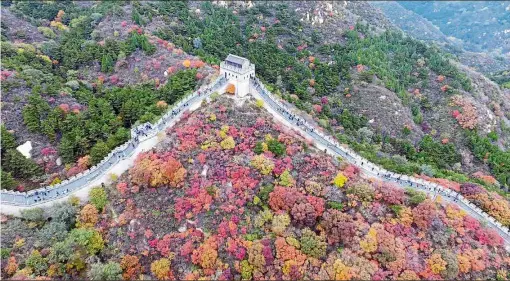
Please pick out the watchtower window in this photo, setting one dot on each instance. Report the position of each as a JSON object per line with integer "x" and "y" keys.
{"x": 231, "y": 63}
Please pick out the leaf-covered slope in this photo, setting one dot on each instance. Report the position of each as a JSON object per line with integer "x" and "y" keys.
{"x": 230, "y": 194}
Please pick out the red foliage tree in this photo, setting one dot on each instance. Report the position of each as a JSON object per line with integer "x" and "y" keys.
{"x": 424, "y": 213}
{"x": 339, "y": 226}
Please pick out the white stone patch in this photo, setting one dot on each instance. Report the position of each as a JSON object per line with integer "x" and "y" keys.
{"x": 371, "y": 121}
{"x": 204, "y": 171}
{"x": 382, "y": 97}
{"x": 489, "y": 113}
{"x": 25, "y": 149}
{"x": 58, "y": 161}
{"x": 397, "y": 113}
{"x": 182, "y": 228}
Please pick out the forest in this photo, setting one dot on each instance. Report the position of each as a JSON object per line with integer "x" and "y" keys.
{"x": 228, "y": 193}
{"x": 236, "y": 196}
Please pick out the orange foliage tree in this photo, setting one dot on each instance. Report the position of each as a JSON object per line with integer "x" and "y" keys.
{"x": 206, "y": 254}
{"x": 11, "y": 267}
{"x": 88, "y": 216}
{"x": 156, "y": 170}
{"x": 130, "y": 267}
{"x": 231, "y": 89}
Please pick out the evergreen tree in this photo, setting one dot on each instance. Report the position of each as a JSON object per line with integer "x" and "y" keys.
{"x": 19, "y": 165}
{"x": 35, "y": 111}
{"x": 8, "y": 140}
{"x": 7, "y": 181}
{"x": 99, "y": 151}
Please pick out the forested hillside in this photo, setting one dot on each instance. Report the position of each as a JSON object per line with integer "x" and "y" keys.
{"x": 229, "y": 193}
{"x": 98, "y": 69}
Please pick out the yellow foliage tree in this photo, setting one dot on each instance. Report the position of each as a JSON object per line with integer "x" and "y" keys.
{"x": 286, "y": 179}
{"x": 280, "y": 223}
{"x": 369, "y": 244}
{"x": 342, "y": 271}
{"x": 88, "y": 216}
{"x": 436, "y": 263}
{"x": 186, "y": 63}
{"x": 263, "y": 164}
{"x": 228, "y": 143}
{"x": 340, "y": 180}
{"x": 161, "y": 268}
{"x": 11, "y": 267}
{"x": 464, "y": 263}
{"x": 405, "y": 216}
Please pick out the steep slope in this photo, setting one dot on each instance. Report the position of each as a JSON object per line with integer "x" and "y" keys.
{"x": 231, "y": 194}
{"x": 480, "y": 25}
{"x": 330, "y": 59}
{"x": 420, "y": 27}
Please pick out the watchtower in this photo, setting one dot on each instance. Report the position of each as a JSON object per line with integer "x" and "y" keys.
{"x": 238, "y": 71}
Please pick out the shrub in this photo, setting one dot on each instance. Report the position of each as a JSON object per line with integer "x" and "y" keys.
{"x": 339, "y": 226}
{"x": 99, "y": 151}
{"x": 88, "y": 238}
{"x": 130, "y": 266}
{"x": 312, "y": 244}
{"x": 340, "y": 180}
{"x": 109, "y": 271}
{"x": 64, "y": 212}
{"x": 415, "y": 197}
{"x": 286, "y": 179}
{"x": 20, "y": 166}
{"x": 260, "y": 147}
{"x": 51, "y": 232}
{"x": 335, "y": 205}
{"x": 47, "y": 32}
{"x": 36, "y": 262}
{"x": 276, "y": 147}
{"x": 424, "y": 213}
{"x": 98, "y": 198}
{"x": 156, "y": 170}
{"x": 264, "y": 192}
{"x": 304, "y": 213}
{"x": 362, "y": 191}
{"x": 262, "y": 163}
{"x": 34, "y": 214}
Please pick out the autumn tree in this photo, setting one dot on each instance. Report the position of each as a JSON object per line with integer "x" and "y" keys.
{"x": 98, "y": 198}
{"x": 157, "y": 170}
{"x": 130, "y": 266}
{"x": 161, "y": 269}
{"x": 88, "y": 216}
{"x": 231, "y": 89}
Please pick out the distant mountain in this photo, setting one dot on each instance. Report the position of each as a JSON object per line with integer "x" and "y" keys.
{"x": 482, "y": 26}
{"x": 490, "y": 57}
